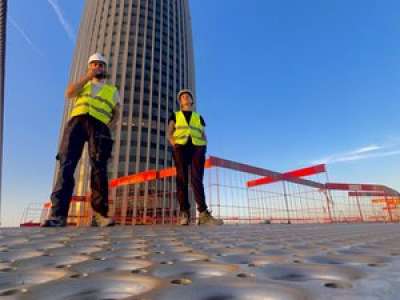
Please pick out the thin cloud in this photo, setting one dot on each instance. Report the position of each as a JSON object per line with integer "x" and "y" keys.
{"x": 368, "y": 149}
{"x": 371, "y": 151}
{"x": 64, "y": 23}
{"x": 25, "y": 36}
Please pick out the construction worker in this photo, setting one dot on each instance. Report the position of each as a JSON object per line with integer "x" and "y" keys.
{"x": 94, "y": 112}
{"x": 187, "y": 136}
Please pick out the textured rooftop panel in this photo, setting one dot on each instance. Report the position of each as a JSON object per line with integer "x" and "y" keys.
{"x": 202, "y": 263}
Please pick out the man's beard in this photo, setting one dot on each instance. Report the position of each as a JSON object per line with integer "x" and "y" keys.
{"x": 101, "y": 75}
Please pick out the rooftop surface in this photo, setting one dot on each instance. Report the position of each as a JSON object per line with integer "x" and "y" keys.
{"x": 255, "y": 262}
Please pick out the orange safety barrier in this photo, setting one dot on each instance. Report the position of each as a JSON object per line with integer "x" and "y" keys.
{"x": 240, "y": 193}
{"x": 149, "y": 176}
{"x": 288, "y": 175}
{"x": 80, "y": 212}
{"x": 356, "y": 199}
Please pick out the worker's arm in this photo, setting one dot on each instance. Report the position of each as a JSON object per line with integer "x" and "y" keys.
{"x": 116, "y": 110}
{"x": 204, "y": 136}
{"x": 204, "y": 130}
{"x": 75, "y": 88}
{"x": 115, "y": 116}
{"x": 171, "y": 130}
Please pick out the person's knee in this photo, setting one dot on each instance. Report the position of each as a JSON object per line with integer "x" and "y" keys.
{"x": 181, "y": 180}
{"x": 197, "y": 175}
{"x": 98, "y": 165}
{"x": 67, "y": 168}
{"x": 101, "y": 152}
{"x": 68, "y": 158}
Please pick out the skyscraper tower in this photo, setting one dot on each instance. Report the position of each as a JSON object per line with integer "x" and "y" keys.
{"x": 3, "y": 22}
{"x": 148, "y": 44}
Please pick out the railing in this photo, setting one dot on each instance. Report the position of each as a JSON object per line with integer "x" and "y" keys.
{"x": 80, "y": 212}
{"x": 241, "y": 193}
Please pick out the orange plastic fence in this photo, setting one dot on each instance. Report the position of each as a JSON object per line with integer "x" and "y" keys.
{"x": 239, "y": 192}
{"x": 288, "y": 175}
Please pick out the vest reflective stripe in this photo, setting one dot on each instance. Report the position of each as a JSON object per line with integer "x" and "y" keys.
{"x": 191, "y": 127}
{"x": 194, "y": 129}
{"x": 99, "y": 106}
{"x": 108, "y": 114}
{"x": 102, "y": 100}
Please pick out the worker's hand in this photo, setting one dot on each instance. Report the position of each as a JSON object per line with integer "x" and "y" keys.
{"x": 92, "y": 72}
{"x": 113, "y": 124}
{"x": 172, "y": 142}
{"x": 115, "y": 117}
{"x": 76, "y": 87}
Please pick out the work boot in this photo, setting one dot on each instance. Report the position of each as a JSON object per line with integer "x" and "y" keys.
{"x": 55, "y": 222}
{"x": 184, "y": 219}
{"x": 205, "y": 218}
{"x": 99, "y": 221}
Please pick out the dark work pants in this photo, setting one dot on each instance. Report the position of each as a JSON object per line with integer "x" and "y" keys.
{"x": 81, "y": 129}
{"x": 186, "y": 156}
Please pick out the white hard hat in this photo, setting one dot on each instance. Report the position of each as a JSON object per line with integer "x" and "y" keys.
{"x": 183, "y": 91}
{"x": 97, "y": 57}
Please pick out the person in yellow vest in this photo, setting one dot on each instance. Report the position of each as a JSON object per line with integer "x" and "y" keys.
{"x": 187, "y": 136}
{"x": 95, "y": 110}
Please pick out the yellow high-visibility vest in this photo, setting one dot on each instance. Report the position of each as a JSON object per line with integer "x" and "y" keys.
{"x": 99, "y": 106}
{"x": 194, "y": 129}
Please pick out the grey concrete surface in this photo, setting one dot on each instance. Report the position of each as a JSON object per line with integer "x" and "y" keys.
{"x": 230, "y": 262}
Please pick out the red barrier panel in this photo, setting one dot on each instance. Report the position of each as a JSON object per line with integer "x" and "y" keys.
{"x": 367, "y": 194}
{"x": 361, "y": 187}
{"x": 288, "y": 175}
{"x": 353, "y": 187}
{"x": 149, "y": 175}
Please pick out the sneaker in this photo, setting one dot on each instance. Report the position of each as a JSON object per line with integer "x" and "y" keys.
{"x": 184, "y": 218}
{"x": 55, "y": 222}
{"x": 100, "y": 221}
{"x": 205, "y": 218}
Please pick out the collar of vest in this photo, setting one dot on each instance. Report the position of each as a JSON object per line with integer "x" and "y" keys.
{"x": 183, "y": 112}
{"x": 104, "y": 85}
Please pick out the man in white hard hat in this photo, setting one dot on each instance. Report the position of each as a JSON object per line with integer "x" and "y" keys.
{"x": 187, "y": 136}
{"x": 95, "y": 110}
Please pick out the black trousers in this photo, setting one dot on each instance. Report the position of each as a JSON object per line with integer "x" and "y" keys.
{"x": 81, "y": 129}
{"x": 186, "y": 156}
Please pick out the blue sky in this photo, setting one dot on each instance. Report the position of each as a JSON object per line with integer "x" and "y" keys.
{"x": 281, "y": 84}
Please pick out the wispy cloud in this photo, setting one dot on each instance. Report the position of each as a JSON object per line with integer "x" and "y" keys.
{"x": 24, "y": 35}
{"x": 64, "y": 23}
{"x": 367, "y": 149}
{"x": 366, "y": 152}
